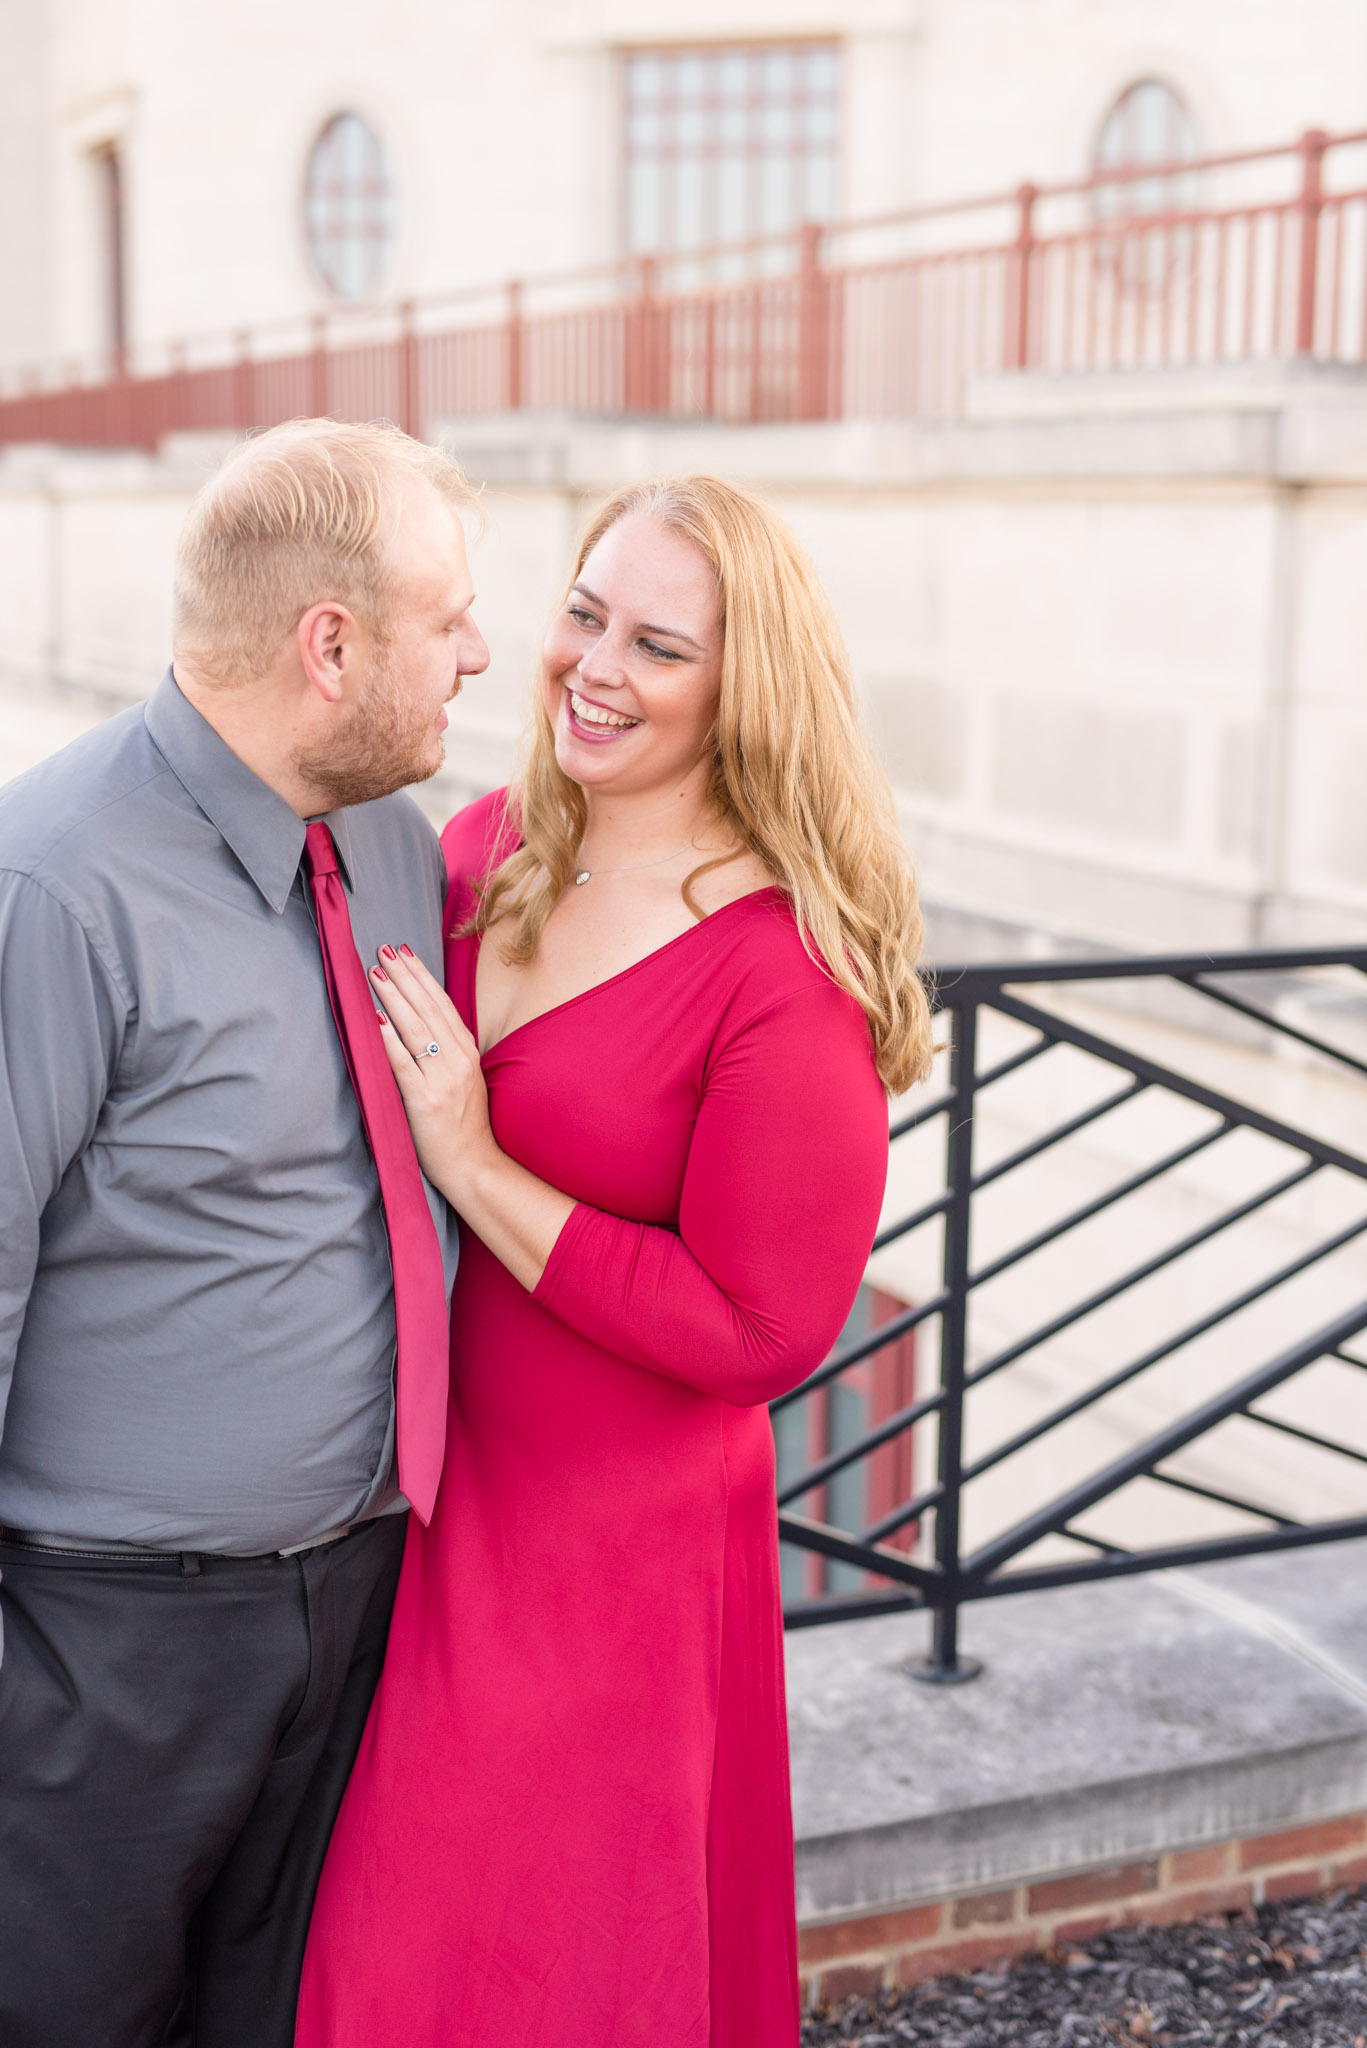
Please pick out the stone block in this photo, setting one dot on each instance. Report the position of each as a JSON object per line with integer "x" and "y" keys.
{"x": 1322, "y": 1838}
{"x": 873, "y": 1931}
{"x": 1293, "y": 1884}
{"x": 1197, "y": 1866}
{"x": 1088, "y": 1887}
{"x": 986, "y": 1907}
{"x": 951, "y": 1957}
{"x": 847, "y": 1980}
{"x": 1072, "y": 1933}
{"x": 1172, "y": 1909}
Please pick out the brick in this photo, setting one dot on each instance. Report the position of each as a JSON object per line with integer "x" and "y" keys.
{"x": 986, "y": 1907}
{"x": 1295, "y": 1845}
{"x": 1294, "y": 1884}
{"x": 871, "y": 1932}
{"x": 1354, "y": 1871}
{"x": 848, "y": 1980}
{"x": 1172, "y": 1908}
{"x": 949, "y": 1958}
{"x": 1072, "y": 1933}
{"x": 1090, "y": 1887}
{"x": 1198, "y": 1866}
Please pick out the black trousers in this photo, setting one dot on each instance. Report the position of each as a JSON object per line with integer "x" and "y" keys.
{"x": 175, "y": 1738}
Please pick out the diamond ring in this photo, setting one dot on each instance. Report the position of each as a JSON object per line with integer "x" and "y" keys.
{"x": 429, "y": 1051}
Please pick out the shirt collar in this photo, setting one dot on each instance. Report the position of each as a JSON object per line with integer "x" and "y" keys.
{"x": 260, "y": 827}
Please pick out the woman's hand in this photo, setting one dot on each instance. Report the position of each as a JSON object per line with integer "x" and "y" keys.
{"x": 518, "y": 1216}
{"x": 443, "y": 1091}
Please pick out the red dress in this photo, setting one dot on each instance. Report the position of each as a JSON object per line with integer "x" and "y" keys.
{"x": 569, "y": 1823}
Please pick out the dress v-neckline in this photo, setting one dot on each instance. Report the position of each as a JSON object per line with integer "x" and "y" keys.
{"x": 598, "y": 987}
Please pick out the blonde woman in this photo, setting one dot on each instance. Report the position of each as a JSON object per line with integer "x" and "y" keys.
{"x": 680, "y": 977}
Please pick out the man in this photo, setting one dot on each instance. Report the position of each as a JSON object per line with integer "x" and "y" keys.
{"x": 203, "y": 1186}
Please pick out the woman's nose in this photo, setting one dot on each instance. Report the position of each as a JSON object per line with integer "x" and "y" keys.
{"x": 601, "y": 665}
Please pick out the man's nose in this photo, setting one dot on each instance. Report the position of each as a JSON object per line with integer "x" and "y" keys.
{"x": 474, "y": 655}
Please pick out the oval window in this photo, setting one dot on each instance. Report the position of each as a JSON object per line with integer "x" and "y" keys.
{"x": 1149, "y": 124}
{"x": 349, "y": 207}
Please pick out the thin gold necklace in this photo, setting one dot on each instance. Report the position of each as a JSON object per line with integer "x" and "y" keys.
{"x": 587, "y": 874}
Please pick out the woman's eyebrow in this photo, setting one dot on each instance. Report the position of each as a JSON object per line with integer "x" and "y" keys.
{"x": 665, "y": 632}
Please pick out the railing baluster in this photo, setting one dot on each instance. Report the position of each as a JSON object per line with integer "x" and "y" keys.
{"x": 945, "y": 1666}
{"x": 1017, "y": 350}
{"x": 1313, "y": 145}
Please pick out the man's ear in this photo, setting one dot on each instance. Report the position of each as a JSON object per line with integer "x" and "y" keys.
{"x": 326, "y": 637}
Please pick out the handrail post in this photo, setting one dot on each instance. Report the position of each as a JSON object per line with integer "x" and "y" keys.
{"x": 512, "y": 347}
{"x": 945, "y": 1666}
{"x": 121, "y": 417}
{"x": 408, "y": 370}
{"x": 1310, "y": 205}
{"x": 1020, "y": 279}
{"x": 813, "y": 364}
{"x": 318, "y": 368}
{"x": 243, "y": 408}
{"x": 641, "y": 381}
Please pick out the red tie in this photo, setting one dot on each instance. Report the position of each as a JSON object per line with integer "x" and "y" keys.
{"x": 420, "y": 1312}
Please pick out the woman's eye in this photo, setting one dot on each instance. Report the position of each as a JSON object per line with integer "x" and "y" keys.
{"x": 582, "y": 618}
{"x": 662, "y": 653}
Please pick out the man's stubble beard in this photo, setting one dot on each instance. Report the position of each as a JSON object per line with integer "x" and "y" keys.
{"x": 383, "y": 745}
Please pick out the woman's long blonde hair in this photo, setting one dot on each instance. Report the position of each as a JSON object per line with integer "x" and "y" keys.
{"x": 793, "y": 774}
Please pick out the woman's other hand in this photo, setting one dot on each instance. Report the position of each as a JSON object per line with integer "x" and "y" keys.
{"x": 518, "y": 1216}
{"x": 436, "y": 1064}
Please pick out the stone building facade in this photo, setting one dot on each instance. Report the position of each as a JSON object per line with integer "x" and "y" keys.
{"x": 168, "y": 170}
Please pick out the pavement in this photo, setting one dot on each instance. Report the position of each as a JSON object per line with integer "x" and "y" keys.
{"x": 1111, "y": 1721}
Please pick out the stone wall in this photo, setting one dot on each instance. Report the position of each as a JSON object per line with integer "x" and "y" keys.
{"x": 1110, "y": 633}
{"x": 973, "y": 1930}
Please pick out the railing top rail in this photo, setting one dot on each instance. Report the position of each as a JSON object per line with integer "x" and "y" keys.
{"x": 972, "y": 983}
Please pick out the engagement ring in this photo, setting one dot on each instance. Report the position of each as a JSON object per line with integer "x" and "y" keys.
{"x": 429, "y": 1051}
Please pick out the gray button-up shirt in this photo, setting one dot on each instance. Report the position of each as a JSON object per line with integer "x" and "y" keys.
{"x": 196, "y": 1309}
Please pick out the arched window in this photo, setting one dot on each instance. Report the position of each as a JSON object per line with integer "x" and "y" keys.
{"x": 349, "y": 207}
{"x": 1149, "y": 124}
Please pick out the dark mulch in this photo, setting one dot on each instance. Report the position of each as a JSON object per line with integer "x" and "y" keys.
{"x": 1293, "y": 1977}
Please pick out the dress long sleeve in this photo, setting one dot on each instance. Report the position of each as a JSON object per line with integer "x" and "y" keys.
{"x": 779, "y": 1207}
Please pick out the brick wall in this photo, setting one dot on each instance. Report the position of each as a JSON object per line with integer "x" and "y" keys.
{"x": 969, "y": 1931}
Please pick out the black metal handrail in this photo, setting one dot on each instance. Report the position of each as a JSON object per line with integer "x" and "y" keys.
{"x": 943, "y": 1575}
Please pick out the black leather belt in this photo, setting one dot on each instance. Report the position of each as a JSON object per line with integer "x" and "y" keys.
{"x": 133, "y": 1553}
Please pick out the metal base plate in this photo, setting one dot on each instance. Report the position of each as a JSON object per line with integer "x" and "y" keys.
{"x": 927, "y": 1673}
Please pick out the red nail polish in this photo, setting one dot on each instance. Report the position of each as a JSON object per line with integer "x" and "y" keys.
{"x": 383, "y": 1019}
{"x": 408, "y": 950}
{"x": 387, "y": 953}
{"x": 379, "y": 974}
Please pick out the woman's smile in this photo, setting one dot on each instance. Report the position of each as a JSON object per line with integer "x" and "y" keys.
{"x": 594, "y": 721}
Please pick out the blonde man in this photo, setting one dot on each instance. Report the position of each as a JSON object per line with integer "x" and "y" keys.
{"x": 202, "y": 1472}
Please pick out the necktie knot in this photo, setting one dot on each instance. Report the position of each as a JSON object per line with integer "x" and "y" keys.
{"x": 319, "y": 852}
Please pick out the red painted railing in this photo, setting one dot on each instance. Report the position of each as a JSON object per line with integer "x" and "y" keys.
{"x": 1255, "y": 256}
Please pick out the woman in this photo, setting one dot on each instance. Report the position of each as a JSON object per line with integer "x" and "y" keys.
{"x": 680, "y": 965}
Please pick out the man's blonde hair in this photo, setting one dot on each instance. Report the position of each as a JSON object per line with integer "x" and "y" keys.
{"x": 303, "y": 513}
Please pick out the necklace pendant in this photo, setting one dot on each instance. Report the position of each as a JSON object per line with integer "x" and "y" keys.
{"x": 584, "y": 875}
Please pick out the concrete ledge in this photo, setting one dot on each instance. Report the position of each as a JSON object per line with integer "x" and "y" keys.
{"x": 1113, "y": 1724}
{"x": 1268, "y": 424}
